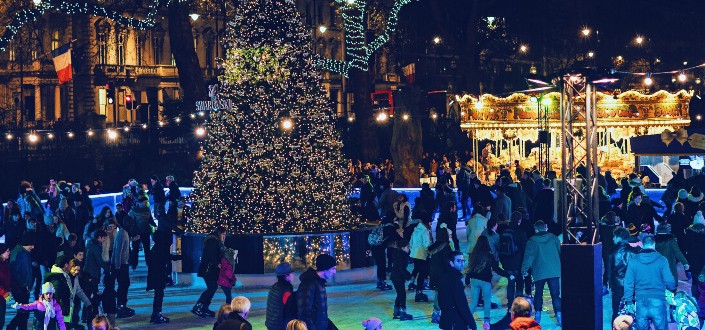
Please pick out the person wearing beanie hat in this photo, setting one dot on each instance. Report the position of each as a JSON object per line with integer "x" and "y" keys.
{"x": 59, "y": 278}
{"x": 695, "y": 249}
{"x": 372, "y": 324}
{"x": 694, "y": 199}
{"x": 667, "y": 246}
{"x": 48, "y": 310}
{"x": 312, "y": 299}
{"x": 635, "y": 211}
{"x": 279, "y": 294}
{"x": 21, "y": 273}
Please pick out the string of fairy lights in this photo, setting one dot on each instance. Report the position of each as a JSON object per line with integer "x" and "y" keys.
{"x": 357, "y": 50}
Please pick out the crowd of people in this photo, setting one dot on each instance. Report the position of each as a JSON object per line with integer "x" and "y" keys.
{"x": 56, "y": 254}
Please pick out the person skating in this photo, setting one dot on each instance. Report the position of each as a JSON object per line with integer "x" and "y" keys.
{"x": 455, "y": 312}
{"x": 48, "y": 311}
{"x": 226, "y": 276}
{"x": 400, "y": 261}
{"x": 209, "y": 269}
{"x": 440, "y": 252}
{"x": 59, "y": 278}
{"x": 512, "y": 243}
{"x": 667, "y": 246}
{"x": 120, "y": 263}
{"x": 21, "y": 275}
{"x": 542, "y": 255}
{"x": 616, "y": 267}
{"x": 157, "y": 274}
{"x": 312, "y": 299}
{"x": 279, "y": 294}
{"x": 92, "y": 272}
{"x": 5, "y": 282}
{"x": 421, "y": 239}
{"x": 645, "y": 282}
{"x": 480, "y": 267}
{"x": 77, "y": 295}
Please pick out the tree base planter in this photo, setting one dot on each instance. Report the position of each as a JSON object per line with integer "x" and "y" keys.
{"x": 261, "y": 253}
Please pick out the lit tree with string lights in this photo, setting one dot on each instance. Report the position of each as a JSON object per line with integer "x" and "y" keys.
{"x": 271, "y": 161}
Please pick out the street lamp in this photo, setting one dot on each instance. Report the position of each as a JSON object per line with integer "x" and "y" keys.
{"x": 523, "y": 48}
{"x": 648, "y": 81}
{"x": 591, "y": 54}
{"x": 322, "y": 28}
{"x": 682, "y": 77}
{"x": 437, "y": 40}
{"x": 287, "y": 124}
{"x": 194, "y": 16}
{"x": 639, "y": 40}
{"x": 586, "y": 32}
{"x": 200, "y": 131}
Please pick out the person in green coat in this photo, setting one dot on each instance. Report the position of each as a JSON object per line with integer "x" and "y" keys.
{"x": 543, "y": 256}
{"x": 667, "y": 246}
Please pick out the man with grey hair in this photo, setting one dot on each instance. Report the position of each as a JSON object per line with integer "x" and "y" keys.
{"x": 237, "y": 318}
{"x": 647, "y": 288}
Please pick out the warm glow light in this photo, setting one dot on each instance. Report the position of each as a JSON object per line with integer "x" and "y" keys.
{"x": 585, "y": 32}
{"x": 70, "y": 134}
{"x": 405, "y": 117}
{"x": 591, "y": 54}
{"x": 194, "y": 16}
{"x": 177, "y": 120}
{"x": 619, "y": 58}
{"x": 112, "y": 134}
{"x": 437, "y": 40}
{"x": 546, "y": 101}
{"x": 201, "y": 113}
{"x": 33, "y": 138}
{"x": 161, "y": 123}
{"x": 382, "y": 116}
{"x": 144, "y": 126}
{"x": 479, "y": 105}
{"x": 90, "y": 133}
{"x": 322, "y": 28}
{"x": 639, "y": 40}
{"x": 287, "y": 124}
{"x": 698, "y": 117}
{"x": 648, "y": 81}
{"x": 9, "y": 136}
{"x": 126, "y": 128}
{"x": 37, "y": 2}
{"x": 351, "y": 119}
{"x": 50, "y": 135}
{"x": 200, "y": 131}
{"x": 193, "y": 116}
{"x": 533, "y": 99}
{"x": 523, "y": 48}
{"x": 682, "y": 77}
{"x": 434, "y": 116}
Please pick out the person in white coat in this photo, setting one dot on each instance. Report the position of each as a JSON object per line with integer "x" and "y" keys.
{"x": 421, "y": 239}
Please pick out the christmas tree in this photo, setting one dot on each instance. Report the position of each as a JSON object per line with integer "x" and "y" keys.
{"x": 271, "y": 161}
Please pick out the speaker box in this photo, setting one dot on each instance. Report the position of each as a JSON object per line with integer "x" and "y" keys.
{"x": 544, "y": 136}
{"x": 581, "y": 286}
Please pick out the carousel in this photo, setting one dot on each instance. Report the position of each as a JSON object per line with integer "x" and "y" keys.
{"x": 526, "y": 128}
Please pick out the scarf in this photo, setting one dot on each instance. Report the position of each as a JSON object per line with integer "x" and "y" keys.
{"x": 49, "y": 312}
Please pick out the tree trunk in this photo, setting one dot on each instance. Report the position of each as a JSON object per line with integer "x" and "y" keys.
{"x": 407, "y": 138}
{"x": 366, "y": 128}
{"x": 181, "y": 37}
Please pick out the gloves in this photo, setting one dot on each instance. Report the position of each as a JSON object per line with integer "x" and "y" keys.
{"x": 511, "y": 277}
{"x": 686, "y": 267}
{"x": 16, "y": 305}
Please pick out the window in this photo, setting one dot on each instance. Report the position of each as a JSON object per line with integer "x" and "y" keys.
{"x": 121, "y": 36}
{"x": 11, "y": 51}
{"x": 102, "y": 47}
{"x": 157, "y": 43}
{"x": 55, "y": 40}
{"x": 139, "y": 47}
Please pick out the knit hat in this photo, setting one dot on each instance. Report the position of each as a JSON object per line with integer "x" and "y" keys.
{"x": 48, "y": 219}
{"x": 699, "y": 219}
{"x": 47, "y": 288}
{"x": 682, "y": 194}
{"x": 283, "y": 269}
{"x": 371, "y": 323}
{"x": 633, "y": 230}
{"x": 325, "y": 262}
{"x": 29, "y": 239}
{"x": 635, "y": 182}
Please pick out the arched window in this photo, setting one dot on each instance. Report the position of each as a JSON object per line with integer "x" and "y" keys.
{"x": 158, "y": 45}
{"x": 140, "y": 40}
{"x": 209, "y": 43}
{"x": 121, "y": 39}
{"x": 102, "y": 31}
{"x": 55, "y": 42}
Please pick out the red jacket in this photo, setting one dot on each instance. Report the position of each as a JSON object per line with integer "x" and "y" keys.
{"x": 524, "y": 323}
{"x": 4, "y": 278}
{"x": 226, "y": 277}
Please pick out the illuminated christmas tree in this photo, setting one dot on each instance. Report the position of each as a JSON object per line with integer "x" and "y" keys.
{"x": 271, "y": 161}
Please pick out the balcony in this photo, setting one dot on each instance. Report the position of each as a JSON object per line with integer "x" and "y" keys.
{"x": 136, "y": 71}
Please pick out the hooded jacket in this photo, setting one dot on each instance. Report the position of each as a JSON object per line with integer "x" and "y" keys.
{"x": 121, "y": 249}
{"x": 524, "y": 323}
{"x": 210, "y": 259}
{"x": 648, "y": 276}
{"x": 420, "y": 241}
{"x": 439, "y": 252}
{"x": 543, "y": 256}
{"x": 60, "y": 280}
{"x": 667, "y": 246}
{"x": 20, "y": 268}
{"x": 143, "y": 218}
{"x": 475, "y": 226}
{"x": 312, "y": 300}
{"x": 695, "y": 246}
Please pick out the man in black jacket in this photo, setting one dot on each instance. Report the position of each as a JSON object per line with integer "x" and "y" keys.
{"x": 512, "y": 242}
{"x": 59, "y": 279}
{"x": 21, "y": 274}
{"x": 158, "y": 196}
{"x": 278, "y": 296}
{"x": 616, "y": 266}
{"x": 312, "y": 299}
{"x": 209, "y": 269}
{"x": 455, "y": 312}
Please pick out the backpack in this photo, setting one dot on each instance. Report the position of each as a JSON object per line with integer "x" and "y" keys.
{"x": 291, "y": 309}
{"x": 507, "y": 244}
{"x": 376, "y": 236}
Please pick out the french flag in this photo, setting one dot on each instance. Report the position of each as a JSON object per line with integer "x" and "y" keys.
{"x": 62, "y": 62}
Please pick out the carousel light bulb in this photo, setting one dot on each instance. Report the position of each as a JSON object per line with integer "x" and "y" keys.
{"x": 479, "y": 105}
{"x": 533, "y": 99}
{"x": 648, "y": 81}
{"x": 193, "y": 116}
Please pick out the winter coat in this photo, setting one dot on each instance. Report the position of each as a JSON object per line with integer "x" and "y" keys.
{"x": 42, "y": 310}
{"x": 210, "y": 259}
{"x": 60, "y": 280}
{"x": 439, "y": 252}
{"x": 485, "y": 274}
{"x": 386, "y": 202}
{"x": 481, "y": 195}
{"x": 524, "y": 323}
{"x": 635, "y": 214}
{"x": 402, "y": 213}
{"x": 691, "y": 204}
{"x": 513, "y": 262}
{"x": 519, "y": 198}
{"x": 121, "y": 249}
{"x": 400, "y": 261}
{"x": 695, "y": 246}
{"x": 157, "y": 193}
{"x": 543, "y": 206}
{"x": 13, "y": 231}
{"x": 93, "y": 261}
{"x": 420, "y": 241}
{"x": 143, "y": 219}
{"x": 606, "y": 234}
{"x": 30, "y": 203}
{"x": 493, "y": 238}
{"x": 648, "y": 276}
{"x": 21, "y": 268}
{"x": 502, "y": 208}
{"x": 226, "y": 276}
{"x": 5, "y": 279}
{"x": 160, "y": 259}
{"x": 367, "y": 202}
{"x": 428, "y": 199}
{"x": 278, "y": 295}
{"x": 543, "y": 256}
{"x": 312, "y": 300}
{"x": 475, "y": 226}
{"x": 235, "y": 322}
{"x": 616, "y": 268}
{"x": 455, "y": 312}
{"x": 667, "y": 246}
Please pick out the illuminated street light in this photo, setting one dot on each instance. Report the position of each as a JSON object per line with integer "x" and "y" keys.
{"x": 90, "y": 133}
{"x": 437, "y": 40}
{"x": 50, "y": 135}
{"x": 382, "y": 116}
{"x": 33, "y": 138}
{"x": 194, "y": 16}
{"x": 682, "y": 77}
{"x": 200, "y": 131}
{"x": 322, "y": 28}
{"x": 639, "y": 40}
{"x": 591, "y": 54}
{"x": 523, "y": 48}
{"x": 70, "y": 135}
{"x": 405, "y": 117}
{"x": 585, "y": 31}
{"x": 648, "y": 81}
{"x": 112, "y": 134}
{"x": 8, "y": 136}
